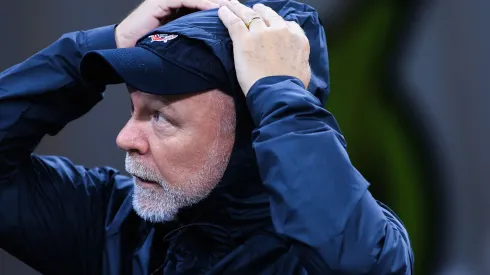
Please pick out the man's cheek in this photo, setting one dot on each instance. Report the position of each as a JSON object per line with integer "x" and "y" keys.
{"x": 173, "y": 165}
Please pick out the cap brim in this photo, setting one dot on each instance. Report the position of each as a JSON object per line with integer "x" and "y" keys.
{"x": 141, "y": 69}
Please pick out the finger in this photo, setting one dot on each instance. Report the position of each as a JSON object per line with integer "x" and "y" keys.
{"x": 246, "y": 14}
{"x": 206, "y": 5}
{"x": 193, "y": 4}
{"x": 270, "y": 17}
{"x": 233, "y": 23}
{"x": 220, "y": 2}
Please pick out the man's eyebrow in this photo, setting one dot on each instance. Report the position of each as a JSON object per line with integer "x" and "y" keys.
{"x": 165, "y": 102}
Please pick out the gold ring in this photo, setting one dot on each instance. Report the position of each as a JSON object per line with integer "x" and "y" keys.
{"x": 251, "y": 20}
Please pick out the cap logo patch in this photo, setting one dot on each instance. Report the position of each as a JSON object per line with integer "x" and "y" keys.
{"x": 162, "y": 37}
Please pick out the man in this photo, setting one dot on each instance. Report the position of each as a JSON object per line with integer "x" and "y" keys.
{"x": 222, "y": 183}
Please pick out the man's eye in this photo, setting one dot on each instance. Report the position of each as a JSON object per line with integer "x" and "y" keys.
{"x": 159, "y": 117}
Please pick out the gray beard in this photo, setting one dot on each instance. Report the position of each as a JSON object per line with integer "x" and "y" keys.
{"x": 163, "y": 204}
{"x": 160, "y": 205}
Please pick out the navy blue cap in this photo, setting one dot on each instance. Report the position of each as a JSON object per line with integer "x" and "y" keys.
{"x": 163, "y": 64}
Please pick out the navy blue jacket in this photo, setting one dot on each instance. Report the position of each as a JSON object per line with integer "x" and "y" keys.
{"x": 290, "y": 201}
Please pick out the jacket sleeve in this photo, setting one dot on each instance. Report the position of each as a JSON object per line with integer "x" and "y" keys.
{"x": 51, "y": 211}
{"x": 317, "y": 198}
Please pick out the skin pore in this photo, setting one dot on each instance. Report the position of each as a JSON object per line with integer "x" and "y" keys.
{"x": 177, "y": 149}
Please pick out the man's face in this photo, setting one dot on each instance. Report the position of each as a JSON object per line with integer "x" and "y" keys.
{"x": 178, "y": 148}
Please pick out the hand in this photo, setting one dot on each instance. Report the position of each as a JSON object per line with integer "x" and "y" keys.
{"x": 153, "y": 13}
{"x": 270, "y": 46}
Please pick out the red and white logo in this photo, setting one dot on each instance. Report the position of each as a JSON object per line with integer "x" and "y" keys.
{"x": 162, "y": 37}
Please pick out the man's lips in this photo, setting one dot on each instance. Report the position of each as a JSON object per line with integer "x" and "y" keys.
{"x": 143, "y": 181}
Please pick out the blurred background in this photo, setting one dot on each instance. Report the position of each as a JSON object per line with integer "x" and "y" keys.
{"x": 410, "y": 85}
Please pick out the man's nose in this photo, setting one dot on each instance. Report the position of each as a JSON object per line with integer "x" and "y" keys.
{"x": 132, "y": 138}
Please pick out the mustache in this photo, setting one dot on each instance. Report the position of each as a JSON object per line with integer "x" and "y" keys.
{"x": 137, "y": 169}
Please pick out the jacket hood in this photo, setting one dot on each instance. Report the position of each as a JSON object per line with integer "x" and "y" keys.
{"x": 239, "y": 203}
{"x": 207, "y": 27}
